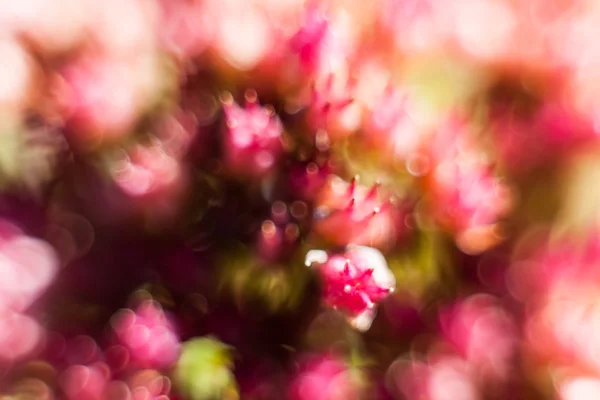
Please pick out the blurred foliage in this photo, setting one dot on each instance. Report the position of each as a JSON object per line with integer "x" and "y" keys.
{"x": 203, "y": 371}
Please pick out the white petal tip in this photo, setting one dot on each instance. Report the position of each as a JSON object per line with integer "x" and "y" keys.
{"x": 315, "y": 256}
{"x": 363, "y": 321}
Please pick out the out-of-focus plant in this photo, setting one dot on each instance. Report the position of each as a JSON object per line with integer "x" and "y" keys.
{"x": 204, "y": 370}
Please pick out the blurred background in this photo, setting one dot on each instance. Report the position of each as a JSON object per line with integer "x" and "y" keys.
{"x": 304, "y": 200}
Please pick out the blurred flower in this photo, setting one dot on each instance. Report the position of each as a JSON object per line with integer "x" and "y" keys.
{"x": 467, "y": 197}
{"x": 562, "y": 329}
{"x": 27, "y": 267}
{"x": 444, "y": 378}
{"x": 331, "y": 106}
{"x": 123, "y": 29}
{"x": 90, "y": 102}
{"x": 253, "y": 136}
{"x": 148, "y": 335}
{"x": 389, "y": 127}
{"x": 561, "y": 289}
{"x": 326, "y": 377}
{"x": 492, "y": 42}
{"x": 413, "y": 24}
{"x": 149, "y": 385}
{"x": 19, "y": 335}
{"x": 307, "y": 179}
{"x": 540, "y": 137}
{"x": 244, "y": 34}
{"x": 203, "y": 371}
{"x": 483, "y": 333}
{"x": 354, "y": 282}
{"x": 85, "y": 382}
{"x": 180, "y": 30}
{"x": 148, "y": 170}
{"x": 94, "y": 110}
{"x": 319, "y": 50}
{"x": 350, "y": 213}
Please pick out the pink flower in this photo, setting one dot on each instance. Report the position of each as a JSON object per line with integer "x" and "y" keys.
{"x": 331, "y": 107}
{"x": 325, "y": 377}
{"x": 445, "y": 378}
{"x": 19, "y": 335}
{"x": 148, "y": 170}
{"x": 551, "y": 265}
{"x": 467, "y": 197}
{"x": 354, "y": 282}
{"x": 245, "y": 34}
{"x": 99, "y": 98}
{"x": 413, "y": 24}
{"x": 148, "y": 335}
{"x": 252, "y": 137}
{"x": 389, "y": 127}
{"x": 350, "y": 213}
{"x": 551, "y": 131}
{"x": 27, "y": 267}
{"x": 315, "y": 43}
{"x": 562, "y": 329}
{"x": 483, "y": 333}
{"x": 85, "y": 382}
{"x": 185, "y": 27}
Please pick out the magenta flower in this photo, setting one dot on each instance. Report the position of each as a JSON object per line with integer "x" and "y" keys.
{"x": 552, "y": 131}
{"x": 252, "y": 138}
{"x": 350, "y": 213}
{"x": 325, "y": 377}
{"x": 330, "y": 107}
{"x": 354, "y": 282}
{"x": 148, "y": 335}
{"x": 318, "y": 49}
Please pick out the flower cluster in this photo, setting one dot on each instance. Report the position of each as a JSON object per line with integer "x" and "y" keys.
{"x": 303, "y": 199}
